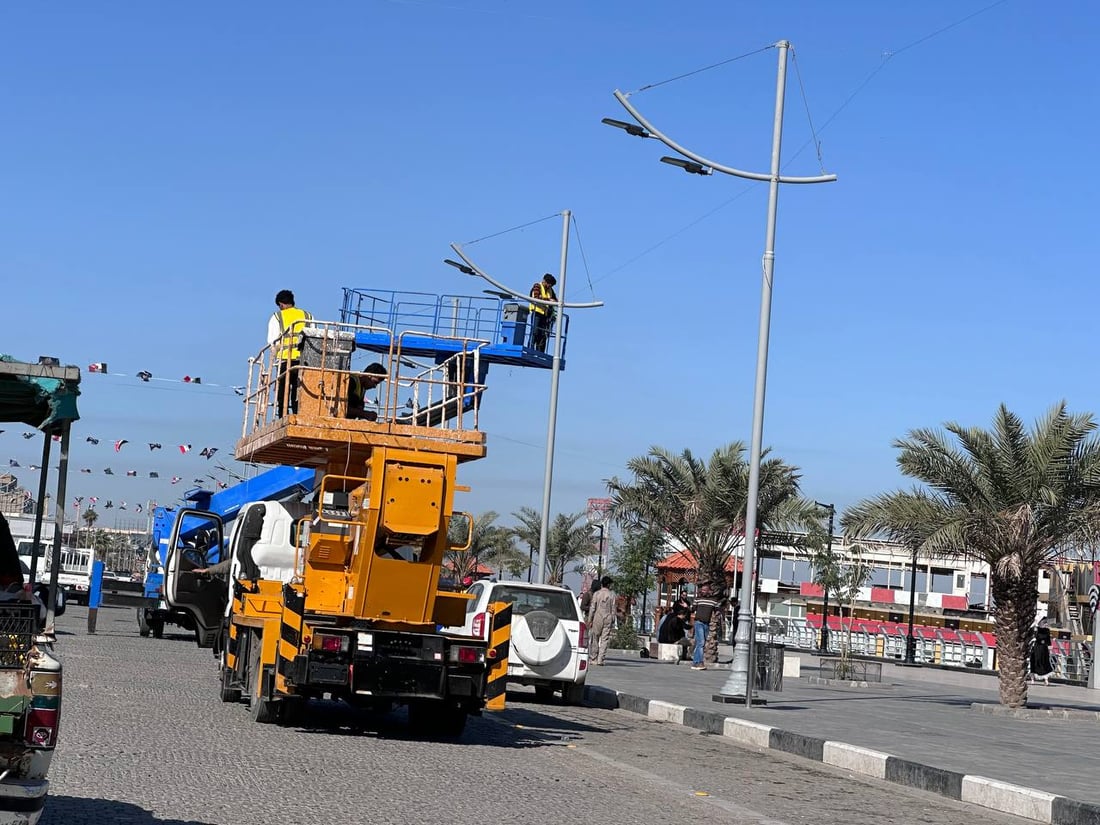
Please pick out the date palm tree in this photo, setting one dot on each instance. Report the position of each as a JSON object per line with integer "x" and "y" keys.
{"x": 567, "y": 539}
{"x": 491, "y": 545}
{"x": 1012, "y": 498}
{"x": 701, "y": 505}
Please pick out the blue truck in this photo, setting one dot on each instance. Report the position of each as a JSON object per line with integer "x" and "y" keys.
{"x": 282, "y": 484}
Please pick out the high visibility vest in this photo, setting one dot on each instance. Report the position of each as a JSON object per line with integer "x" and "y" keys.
{"x": 292, "y": 320}
{"x": 546, "y": 294}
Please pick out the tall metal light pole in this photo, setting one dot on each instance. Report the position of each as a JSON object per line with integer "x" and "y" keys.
{"x": 738, "y": 687}
{"x": 910, "y": 639}
{"x": 599, "y": 559}
{"x": 470, "y": 268}
{"x": 825, "y": 597}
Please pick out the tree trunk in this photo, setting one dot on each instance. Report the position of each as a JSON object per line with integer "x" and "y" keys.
{"x": 710, "y": 648}
{"x": 1013, "y": 614}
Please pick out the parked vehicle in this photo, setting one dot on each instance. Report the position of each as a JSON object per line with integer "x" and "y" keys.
{"x": 549, "y": 639}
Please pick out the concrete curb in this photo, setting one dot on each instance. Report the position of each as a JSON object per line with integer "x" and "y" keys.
{"x": 978, "y": 790}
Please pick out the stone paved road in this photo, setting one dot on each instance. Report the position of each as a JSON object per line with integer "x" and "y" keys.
{"x": 145, "y": 741}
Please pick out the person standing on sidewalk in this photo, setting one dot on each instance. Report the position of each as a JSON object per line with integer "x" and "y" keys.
{"x": 705, "y": 606}
{"x": 601, "y": 616}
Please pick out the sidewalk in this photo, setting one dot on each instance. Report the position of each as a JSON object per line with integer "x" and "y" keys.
{"x": 917, "y": 728}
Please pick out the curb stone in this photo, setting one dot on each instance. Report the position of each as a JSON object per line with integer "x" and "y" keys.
{"x": 1005, "y": 797}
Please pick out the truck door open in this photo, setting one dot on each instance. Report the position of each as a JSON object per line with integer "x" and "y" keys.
{"x": 197, "y": 541}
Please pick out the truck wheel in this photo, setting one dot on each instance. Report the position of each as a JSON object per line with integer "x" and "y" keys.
{"x": 434, "y": 719}
{"x": 292, "y": 710}
{"x": 143, "y": 625}
{"x": 228, "y": 693}
{"x": 264, "y": 711}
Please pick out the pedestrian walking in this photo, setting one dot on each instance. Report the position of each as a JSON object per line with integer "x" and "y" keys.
{"x": 586, "y": 598}
{"x": 601, "y": 618}
{"x": 284, "y": 329}
{"x": 1039, "y": 660}
{"x": 542, "y": 316}
{"x": 705, "y": 606}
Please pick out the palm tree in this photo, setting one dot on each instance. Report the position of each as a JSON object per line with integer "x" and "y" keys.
{"x": 1011, "y": 498}
{"x": 701, "y": 505}
{"x": 490, "y": 544}
{"x": 567, "y": 540}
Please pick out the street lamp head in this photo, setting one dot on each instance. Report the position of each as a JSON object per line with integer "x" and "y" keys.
{"x": 823, "y": 506}
{"x": 689, "y": 166}
{"x": 465, "y": 270}
{"x": 630, "y": 128}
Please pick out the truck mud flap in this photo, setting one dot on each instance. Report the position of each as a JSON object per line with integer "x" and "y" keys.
{"x": 500, "y": 639}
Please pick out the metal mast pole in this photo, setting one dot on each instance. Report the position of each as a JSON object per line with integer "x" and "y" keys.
{"x": 739, "y": 685}
{"x": 551, "y": 426}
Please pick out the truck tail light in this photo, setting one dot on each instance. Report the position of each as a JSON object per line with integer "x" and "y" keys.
{"x": 582, "y": 637}
{"x": 467, "y": 655}
{"x": 332, "y": 642}
{"x": 478, "y": 627}
{"x": 41, "y": 730}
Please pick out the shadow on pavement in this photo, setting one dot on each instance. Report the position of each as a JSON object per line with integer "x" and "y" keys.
{"x": 74, "y": 810}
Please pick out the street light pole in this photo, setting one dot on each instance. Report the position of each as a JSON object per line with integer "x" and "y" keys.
{"x": 470, "y": 268}
{"x": 910, "y": 640}
{"x": 738, "y": 687}
{"x": 599, "y": 559}
{"x": 825, "y": 596}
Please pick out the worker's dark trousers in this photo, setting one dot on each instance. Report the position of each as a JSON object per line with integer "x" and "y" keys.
{"x": 287, "y": 389}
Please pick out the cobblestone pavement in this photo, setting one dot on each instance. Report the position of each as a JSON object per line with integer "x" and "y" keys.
{"x": 145, "y": 741}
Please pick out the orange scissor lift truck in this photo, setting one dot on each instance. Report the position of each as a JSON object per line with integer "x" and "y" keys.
{"x": 344, "y": 596}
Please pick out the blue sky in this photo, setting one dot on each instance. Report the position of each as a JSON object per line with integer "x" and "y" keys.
{"x": 168, "y": 168}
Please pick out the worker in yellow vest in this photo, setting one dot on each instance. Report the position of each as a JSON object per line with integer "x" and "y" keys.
{"x": 284, "y": 331}
{"x": 542, "y": 316}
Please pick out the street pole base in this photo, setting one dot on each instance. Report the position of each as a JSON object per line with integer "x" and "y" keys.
{"x": 727, "y": 699}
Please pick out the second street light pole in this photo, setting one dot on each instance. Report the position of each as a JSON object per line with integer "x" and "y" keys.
{"x": 552, "y": 421}
{"x": 738, "y": 688}
{"x": 825, "y": 594}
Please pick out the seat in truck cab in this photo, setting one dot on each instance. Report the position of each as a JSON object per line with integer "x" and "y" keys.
{"x": 265, "y": 542}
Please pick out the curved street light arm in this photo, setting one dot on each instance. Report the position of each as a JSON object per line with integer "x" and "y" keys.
{"x": 478, "y": 271}
{"x": 687, "y": 153}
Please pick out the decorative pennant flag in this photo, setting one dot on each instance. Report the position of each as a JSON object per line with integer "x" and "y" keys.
{"x": 108, "y": 472}
{"x": 208, "y": 452}
{"x": 91, "y": 440}
{"x": 196, "y": 481}
{"x": 222, "y": 485}
{"x": 56, "y": 437}
{"x": 185, "y": 448}
{"x": 94, "y": 499}
{"x": 13, "y": 463}
{"x": 132, "y": 473}
{"x": 36, "y": 467}
{"x": 85, "y": 469}
{"x": 78, "y": 500}
{"x": 119, "y": 443}
{"x": 154, "y": 474}
{"x": 176, "y": 479}
{"x": 187, "y": 379}
{"x": 137, "y": 508}
{"x": 153, "y": 446}
{"x": 237, "y": 390}
{"x": 122, "y": 505}
{"x": 109, "y": 505}
{"x": 28, "y": 435}
{"x": 100, "y": 366}
{"x": 145, "y": 375}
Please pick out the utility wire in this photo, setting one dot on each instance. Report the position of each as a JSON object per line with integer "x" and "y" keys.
{"x": 513, "y": 229}
{"x": 886, "y": 57}
{"x": 704, "y": 69}
{"x": 584, "y": 258}
{"x": 806, "y": 103}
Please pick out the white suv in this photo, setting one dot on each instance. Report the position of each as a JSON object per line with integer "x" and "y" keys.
{"x": 549, "y": 647}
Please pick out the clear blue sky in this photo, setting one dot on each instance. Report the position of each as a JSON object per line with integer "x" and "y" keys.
{"x": 167, "y": 168}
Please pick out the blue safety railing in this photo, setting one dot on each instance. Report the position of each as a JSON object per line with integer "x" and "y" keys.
{"x": 443, "y": 321}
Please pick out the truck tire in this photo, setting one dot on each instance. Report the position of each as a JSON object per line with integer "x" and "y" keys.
{"x": 434, "y": 719}
{"x": 143, "y": 625}
{"x": 263, "y": 710}
{"x": 228, "y": 693}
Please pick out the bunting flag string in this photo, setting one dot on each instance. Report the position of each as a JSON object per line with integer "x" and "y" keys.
{"x": 146, "y": 377}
